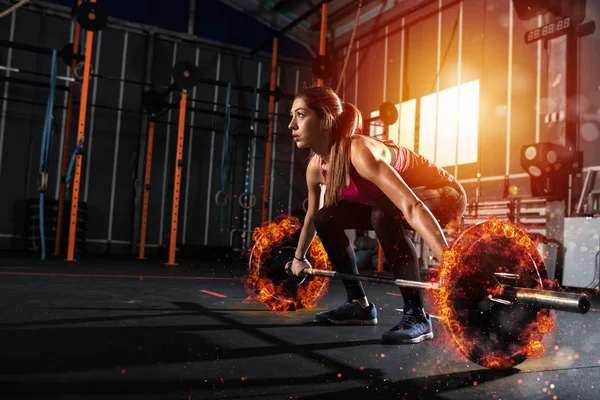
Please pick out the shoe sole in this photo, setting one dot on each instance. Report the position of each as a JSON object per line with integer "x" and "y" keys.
{"x": 347, "y": 322}
{"x": 419, "y": 339}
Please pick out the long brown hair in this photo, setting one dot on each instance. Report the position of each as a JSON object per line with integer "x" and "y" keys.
{"x": 343, "y": 120}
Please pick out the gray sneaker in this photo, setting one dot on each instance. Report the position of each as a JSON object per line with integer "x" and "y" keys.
{"x": 349, "y": 313}
{"x": 414, "y": 327}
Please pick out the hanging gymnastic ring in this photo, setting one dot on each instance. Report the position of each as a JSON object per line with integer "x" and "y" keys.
{"x": 251, "y": 198}
{"x": 305, "y": 205}
{"x": 42, "y": 181}
{"x": 218, "y": 196}
{"x": 77, "y": 72}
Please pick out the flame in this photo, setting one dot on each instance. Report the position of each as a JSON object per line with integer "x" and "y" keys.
{"x": 496, "y": 360}
{"x": 279, "y": 298}
{"x": 464, "y": 268}
{"x": 534, "y": 332}
{"x": 534, "y": 349}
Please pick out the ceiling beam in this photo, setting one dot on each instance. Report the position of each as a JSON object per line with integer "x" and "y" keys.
{"x": 280, "y": 4}
{"x": 291, "y": 25}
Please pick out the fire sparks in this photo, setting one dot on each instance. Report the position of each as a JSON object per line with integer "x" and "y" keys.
{"x": 496, "y": 336}
{"x": 285, "y": 293}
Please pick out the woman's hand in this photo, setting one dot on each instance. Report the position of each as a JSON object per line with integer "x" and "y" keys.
{"x": 297, "y": 267}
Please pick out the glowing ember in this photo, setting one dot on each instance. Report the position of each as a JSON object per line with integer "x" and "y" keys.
{"x": 268, "y": 282}
{"x": 493, "y": 335}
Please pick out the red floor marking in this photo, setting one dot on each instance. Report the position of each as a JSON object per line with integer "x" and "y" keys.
{"x": 16, "y": 267}
{"x": 393, "y": 294}
{"x": 213, "y": 293}
{"x": 122, "y": 276}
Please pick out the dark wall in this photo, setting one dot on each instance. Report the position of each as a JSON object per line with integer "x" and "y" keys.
{"x": 116, "y": 135}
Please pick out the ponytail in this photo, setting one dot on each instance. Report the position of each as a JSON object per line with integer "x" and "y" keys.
{"x": 346, "y": 125}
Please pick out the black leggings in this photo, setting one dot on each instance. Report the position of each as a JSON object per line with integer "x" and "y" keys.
{"x": 446, "y": 203}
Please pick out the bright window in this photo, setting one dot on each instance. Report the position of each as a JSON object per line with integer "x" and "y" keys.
{"x": 468, "y": 123}
{"x": 449, "y": 123}
{"x": 427, "y": 143}
{"x": 449, "y": 136}
{"x": 403, "y": 130}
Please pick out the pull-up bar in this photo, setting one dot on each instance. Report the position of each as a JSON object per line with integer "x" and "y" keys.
{"x": 29, "y": 82}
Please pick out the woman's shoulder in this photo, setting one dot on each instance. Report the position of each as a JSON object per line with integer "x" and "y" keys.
{"x": 362, "y": 145}
{"x": 360, "y": 142}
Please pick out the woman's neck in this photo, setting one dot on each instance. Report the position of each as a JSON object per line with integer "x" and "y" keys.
{"x": 323, "y": 152}
{"x": 324, "y": 158}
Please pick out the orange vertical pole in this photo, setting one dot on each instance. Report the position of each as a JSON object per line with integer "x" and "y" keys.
{"x": 66, "y": 137}
{"x": 141, "y": 255}
{"x": 380, "y": 256}
{"x": 89, "y": 38}
{"x": 177, "y": 184}
{"x": 269, "y": 150}
{"x": 323, "y": 41}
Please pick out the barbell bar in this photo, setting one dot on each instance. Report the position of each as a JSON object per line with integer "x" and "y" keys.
{"x": 505, "y": 294}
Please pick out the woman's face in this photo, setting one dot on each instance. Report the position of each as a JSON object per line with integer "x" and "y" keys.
{"x": 306, "y": 127}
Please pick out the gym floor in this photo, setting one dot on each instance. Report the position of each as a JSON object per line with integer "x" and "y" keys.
{"x": 107, "y": 328}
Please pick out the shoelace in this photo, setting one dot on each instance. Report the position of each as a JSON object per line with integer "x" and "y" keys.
{"x": 408, "y": 321}
{"x": 343, "y": 306}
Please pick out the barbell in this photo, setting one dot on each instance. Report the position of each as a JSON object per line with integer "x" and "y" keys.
{"x": 503, "y": 292}
{"x": 185, "y": 75}
{"x": 492, "y": 293}
{"x": 388, "y": 114}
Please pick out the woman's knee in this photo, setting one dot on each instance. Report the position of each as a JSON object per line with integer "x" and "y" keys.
{"x": 459, "y": 208}
{"x": 453, "y": 208}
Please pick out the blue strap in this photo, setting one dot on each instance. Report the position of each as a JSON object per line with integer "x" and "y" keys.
{"x": 82, "y": 39}
{"x": 250, "y": 164}
{"x": 252, "y": 138}
{"x": 78, "y": 150}
{"x": 225, "y": 151}
{"x": 82, "y": 42}
{"x": 45, "y": 148}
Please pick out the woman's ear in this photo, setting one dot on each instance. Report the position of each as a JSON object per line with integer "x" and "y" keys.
{"x": 325, "y": 130}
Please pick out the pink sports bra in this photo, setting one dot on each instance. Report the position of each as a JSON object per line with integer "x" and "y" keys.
{"x": 414, "y": 169}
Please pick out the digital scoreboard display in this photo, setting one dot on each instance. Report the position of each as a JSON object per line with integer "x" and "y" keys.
{"x": 552, "y": 29}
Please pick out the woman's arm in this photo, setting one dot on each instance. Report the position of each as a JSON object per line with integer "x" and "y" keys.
{"x": 372, "y": 165}
{"x": 314, "y": 181}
